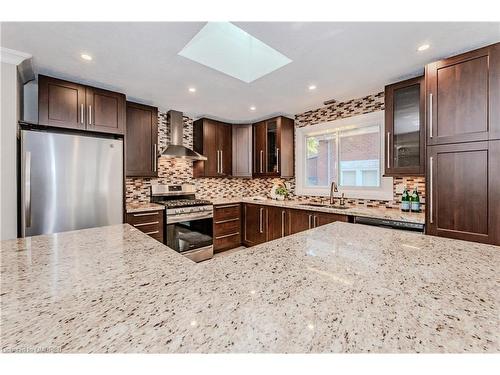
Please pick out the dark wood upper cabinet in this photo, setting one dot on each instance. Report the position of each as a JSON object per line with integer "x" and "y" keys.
{"x": 224, "y": 145}
{"x": 74, "y": 106}
{"x": 141, "y": 141}
{"x": 106, "y": 111}
{"x": 405, "y": 128}
{"x": 463, "y": 184}
{"x": 273, "y": 148}
{"x": 212, "y": 139}
{"x": 259, "y": 148}
{"x": 462, "y": 97}
{"x": 242, "y": 150}
{"x": 463, "y": 150}
{"x": 61, "y": 103}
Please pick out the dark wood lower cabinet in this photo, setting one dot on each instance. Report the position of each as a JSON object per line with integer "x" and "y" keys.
{"x": 278, "y": 225}
{"x": 266, "y": 223}
{"x": 227, "y": 227}
{"x": 300, "y": 220}
{"x": 149, "y": 222}
{"x": 326, "y": 218}
{"x": 254, "y": 224}
{"x": 494, "y": 191}
{"x": 463, "y": 183}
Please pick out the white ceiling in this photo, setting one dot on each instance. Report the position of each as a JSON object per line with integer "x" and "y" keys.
{"x": 344, "y": 61}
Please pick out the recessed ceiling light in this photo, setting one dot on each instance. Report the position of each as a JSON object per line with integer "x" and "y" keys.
{"x": 86, "y": 57}
{"x": 423, "y": 47}
{"x": 312, "y": 87}
{"x": 252, "y": 108}
{"x": 192, "y": 89}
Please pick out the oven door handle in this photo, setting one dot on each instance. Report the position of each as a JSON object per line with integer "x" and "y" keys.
{"x": 189, "y": 217}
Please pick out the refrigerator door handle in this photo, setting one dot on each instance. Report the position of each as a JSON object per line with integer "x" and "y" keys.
{"x": 27, "y": 190}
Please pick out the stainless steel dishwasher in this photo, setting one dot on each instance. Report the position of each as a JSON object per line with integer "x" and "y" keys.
{"x": 386, "y": 223}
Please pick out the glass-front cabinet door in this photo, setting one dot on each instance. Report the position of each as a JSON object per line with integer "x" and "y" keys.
{"x": 404, "y": 128}
{"x": 272, "y": 146}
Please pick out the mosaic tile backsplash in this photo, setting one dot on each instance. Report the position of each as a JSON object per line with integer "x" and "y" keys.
{"x": 176, "y": 171}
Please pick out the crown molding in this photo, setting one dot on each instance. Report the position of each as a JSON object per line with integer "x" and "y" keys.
{"x": 10, "y": 56}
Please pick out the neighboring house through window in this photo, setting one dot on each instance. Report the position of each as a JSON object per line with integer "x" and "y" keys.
{"x": 347, "y": 151}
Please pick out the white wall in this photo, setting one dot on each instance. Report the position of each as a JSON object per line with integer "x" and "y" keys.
{"x": 9, "y": 108}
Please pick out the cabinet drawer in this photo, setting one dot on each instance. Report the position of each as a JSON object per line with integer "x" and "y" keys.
{"x": 145, "y": 217}
{"x": 226, "y": 242}
{"x": 148, "y": 222}
{"x": 148, "y": 228}
{"x": 227, "y": 226}
{"x": 226, "y": 212}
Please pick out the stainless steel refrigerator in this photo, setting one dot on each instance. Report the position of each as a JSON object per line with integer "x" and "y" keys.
{"x": 69, "y": 182}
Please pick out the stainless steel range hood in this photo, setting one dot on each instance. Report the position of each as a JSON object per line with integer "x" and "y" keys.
{"x": 175, "y": 149}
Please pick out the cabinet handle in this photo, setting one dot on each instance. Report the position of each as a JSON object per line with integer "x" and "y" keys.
{"x": 218, "y": 162}
{"x": 245, "y": 230}
{"x": 261, "y": 157}
{"x": 388, "y": 149}
{"x": 221, "y": 165}
{"x": 155, "y": 158}
{"x": 27, "y": 190}
{"x": 315, "y": 219}
{"x": 278, "y": 160}
{"x": 153, "y": 232}
{"x": 431, "y": 160}
{"x": 145, "y": 214}
{"x": 82, "y": 113}
{"x": 144, "y": 224}
{"x": 227, "y": 235}
{"x": 261, "y": 210}
{"x": 283, "y": 223}
{"x": 226, "y": 221}
{"x": 90, "y": 115}
{"x": 430, "y": 116}
{"x": 310, "y": 217}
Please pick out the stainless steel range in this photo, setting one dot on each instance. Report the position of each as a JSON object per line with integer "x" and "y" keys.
{"x": 188, "y": 221}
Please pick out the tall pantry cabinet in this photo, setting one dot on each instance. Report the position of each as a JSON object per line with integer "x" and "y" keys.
{"x": 463, "y": 146}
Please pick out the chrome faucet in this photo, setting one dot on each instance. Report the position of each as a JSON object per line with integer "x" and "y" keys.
{"x": 333, "y": 189}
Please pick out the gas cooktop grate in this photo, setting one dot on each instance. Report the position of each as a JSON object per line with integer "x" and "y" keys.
{"x": 184, "y": 203}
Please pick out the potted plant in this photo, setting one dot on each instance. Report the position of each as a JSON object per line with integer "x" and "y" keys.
{"x": 281, "y": 193}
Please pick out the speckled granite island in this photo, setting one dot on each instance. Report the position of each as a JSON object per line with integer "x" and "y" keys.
{"x": 337, "y": 288}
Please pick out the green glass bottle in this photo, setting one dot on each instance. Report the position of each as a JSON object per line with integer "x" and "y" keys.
{"x": 415, "y": 201}
{"x": 405, "y": 200}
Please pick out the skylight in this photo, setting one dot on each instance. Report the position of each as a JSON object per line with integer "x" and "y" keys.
{"x": 227, "y": 48}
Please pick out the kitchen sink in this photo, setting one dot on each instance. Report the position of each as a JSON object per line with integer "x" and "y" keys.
{"x": 325, "y": 205}
{"x": 314, "y": 204}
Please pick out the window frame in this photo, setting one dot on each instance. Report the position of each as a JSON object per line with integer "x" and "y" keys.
{"x": 382, "y": 192}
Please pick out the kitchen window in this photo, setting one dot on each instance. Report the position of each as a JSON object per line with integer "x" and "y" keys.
{"x": 347, "y": 151}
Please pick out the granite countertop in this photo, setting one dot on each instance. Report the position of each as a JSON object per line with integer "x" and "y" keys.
{"x": 140, "y": 207}
{"x": 353, "y": 210}
{"x": 336, "y": 288}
